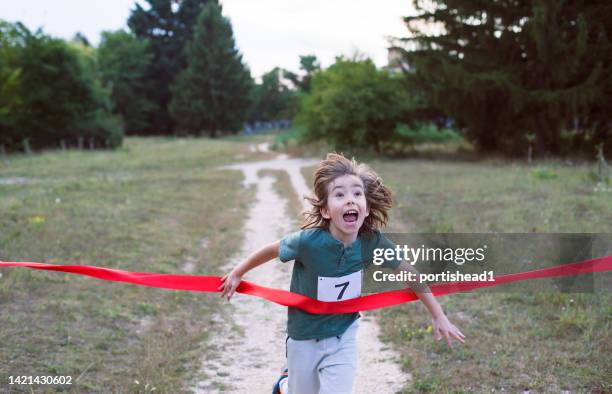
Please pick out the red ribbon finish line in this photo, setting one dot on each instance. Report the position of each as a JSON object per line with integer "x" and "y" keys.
{"x": 287, "y": 298}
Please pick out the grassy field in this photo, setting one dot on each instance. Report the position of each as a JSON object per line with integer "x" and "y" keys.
{"x": 535, "y": 342}
{"x": 161, "y": 205}
{"x": 154, "y": 205}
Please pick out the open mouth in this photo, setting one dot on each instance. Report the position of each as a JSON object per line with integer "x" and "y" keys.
{"x": 350, "y": 216}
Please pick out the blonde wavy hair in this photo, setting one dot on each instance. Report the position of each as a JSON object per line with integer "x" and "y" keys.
{"x": 378, "y": 196}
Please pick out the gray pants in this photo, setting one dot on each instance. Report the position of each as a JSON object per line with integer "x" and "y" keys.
{"x": 323, "y": 366}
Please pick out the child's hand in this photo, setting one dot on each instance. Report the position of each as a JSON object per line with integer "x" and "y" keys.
{"x": 229, "y": 285}
{"x": 443, "y": 328}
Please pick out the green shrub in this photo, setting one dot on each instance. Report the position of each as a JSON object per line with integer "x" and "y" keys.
{"x": 543, "y": 173}
{"x": 353, "y": 105}
{"x": 293, "y": 135}
{"x": 424, "y": 133}
{"x": 102, "y": 128}
{"x": 54, "y": 93}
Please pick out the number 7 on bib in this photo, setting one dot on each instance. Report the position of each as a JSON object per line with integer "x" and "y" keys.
{"x": 339, "y": 288}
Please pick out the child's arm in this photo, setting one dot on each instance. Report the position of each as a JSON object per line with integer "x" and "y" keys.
{"x": 257, "y": 258}
{"x": 440, "y": 324}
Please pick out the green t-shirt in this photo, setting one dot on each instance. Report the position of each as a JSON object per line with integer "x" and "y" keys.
{"x": 326, "y": 270}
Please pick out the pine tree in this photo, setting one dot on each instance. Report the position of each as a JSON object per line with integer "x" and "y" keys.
{"x": 167, "y": 25}
{"x": 509, "y": 68}
{"x": 213, "y": 93}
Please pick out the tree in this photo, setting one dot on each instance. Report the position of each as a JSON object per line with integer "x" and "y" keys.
{"x": 505, "y": 69}
{"x": 99, "y": 126}
{"x": 167, "y": 25}
{"x": 213, "y": 93}
{"x": 54, "y": 92}
{"x": 11, "y": 102}
{"x": 81, "y": 38}
{"x": 354, "y": 105}
{"x": 123, "y": 63}
{"x": 309, "y": 64}
{"x": 273, "y": 99}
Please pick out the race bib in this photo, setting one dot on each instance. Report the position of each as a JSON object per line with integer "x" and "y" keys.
{"x": 339, "y": 288}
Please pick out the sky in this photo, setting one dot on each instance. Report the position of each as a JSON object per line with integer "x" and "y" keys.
{"x": 269, "y": 33}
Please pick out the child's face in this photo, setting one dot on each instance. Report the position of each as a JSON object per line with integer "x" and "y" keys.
{"x": 346, "y": 207}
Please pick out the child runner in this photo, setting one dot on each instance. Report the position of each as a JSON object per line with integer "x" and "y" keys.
{"x": 331, "y": 252}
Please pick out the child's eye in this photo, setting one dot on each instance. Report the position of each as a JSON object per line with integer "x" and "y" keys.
{"x": 358, "y": 194}
{"x": 339, "y": 194}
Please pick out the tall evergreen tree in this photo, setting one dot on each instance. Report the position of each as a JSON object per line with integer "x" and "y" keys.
{"x": 213, "y": 93}
{"x": 167, "y": 25}
{"x": 504, "y": 69}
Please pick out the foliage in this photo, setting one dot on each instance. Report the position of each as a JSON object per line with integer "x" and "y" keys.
{"x": 424, "y": 133}
{"x": 293, "y": 135}
{"x": 544, "y": 174}
{"x": 53, "y": 87}
{"x": 505, "y": 69}
{"x": 103, "y": 127}
{"x": 167, "y": 25}
{"x": 309, "y": 64}
{"x": 11, "y": 103}
{"x": 352, "y": 104}
{"x": 81, "y": 39}
{"x": 273, "y": 99}
{"x": 213, "y": 94}
{"x": 99, "y": 126}
{"x": 123, "y": 63}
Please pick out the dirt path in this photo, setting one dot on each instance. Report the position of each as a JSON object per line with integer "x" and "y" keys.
{"x": 249, "y": 347}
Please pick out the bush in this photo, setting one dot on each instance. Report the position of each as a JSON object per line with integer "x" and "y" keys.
{"x": 407, "y": 135}
{"x": 54, "y": 92}
{"x": 352, "y": 104}
{"x": 544, "y": 174}
{"x": 101, "y": 129}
